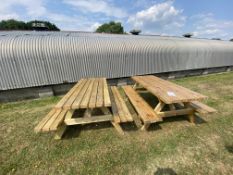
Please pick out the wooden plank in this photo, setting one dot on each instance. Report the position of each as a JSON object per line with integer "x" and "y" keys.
{"x": 118, "y": 105}
{"x": 107, "y": 101}
{"x": 67, "y": 96}
{"x": 177, "y": 112}
{"x": 201, "y": 107}
{"x": 118, "y": 128}
{"x": 167, "y": 91}
{"x": 92, "y": 101}
{"x": 122, "y": 105}
{"x": 44, "y": 120}
{"x": 51, "y": 120}
{"x": 69, "y": 102}
{"x": 76, "y": 103}
{"x": 93, "y": 119}
{"x": 144, "y": 110}
{"x": 159, "y": 106}
{"x": 58, "y": 120}
{"x": 99, "y": 97}
{"x": 86, "y": 98}
{"x": 114, "y": 108}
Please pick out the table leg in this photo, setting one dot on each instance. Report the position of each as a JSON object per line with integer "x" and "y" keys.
{"x": 60, "y": 131}
{"x": 191, "y": 115}
{"x": 118, "y": 127}
{"x": 145, "y": 126}
{"x": 159, "y": 106}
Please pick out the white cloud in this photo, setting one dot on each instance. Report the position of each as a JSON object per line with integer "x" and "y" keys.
{"x": 205, "y": 25}
{"x": 159, "y": 18}
{"x": 32, "y": 9}
{"x": 98, "y": 6}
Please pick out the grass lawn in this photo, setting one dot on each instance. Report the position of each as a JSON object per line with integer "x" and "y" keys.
{"x": 174, "y": 146}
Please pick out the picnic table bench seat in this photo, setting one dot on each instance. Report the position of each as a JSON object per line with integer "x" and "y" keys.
{"x": 202, "y": 108}
{"x": 51, "y": 121}
{"x": 146, "y": 113}
{"x": 121, "y": 112}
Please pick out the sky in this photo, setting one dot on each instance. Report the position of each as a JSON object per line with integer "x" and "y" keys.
{"x": 203, "y": 18}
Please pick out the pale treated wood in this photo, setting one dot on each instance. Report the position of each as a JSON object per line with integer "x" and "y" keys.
{"x": 120, "y": 111}
{"x": 159, "y": 106}
{"x": 107, "y": 101}
{"x": 93, "y": 119}
{"x": 67, "y": 96}
{"x": 39, "y": 127}
{"x": 99, "y": 97}
{"x": 124, "y": 114}
{"x": 69, "y": 102}
{"x": 92, "y": 102}
{"x": 60, "y": 132}
{"x": 201, "y": 107}
{"x": 51, "y": 120}
{"x": 172, "y": 107}
{"x": 144, "y": 110}
{"x": 186, "y": 111}
{"x": 116, "y": 117}
{"x": 58, "y": 120}
{"x": 86, "y": 98}
{"x": 167, "y": 91}
{"x": 145, "y": 126}
{"x": 80, "y": 96}
{"x": 87, "y": 112}
{"x": 118, "y": 128}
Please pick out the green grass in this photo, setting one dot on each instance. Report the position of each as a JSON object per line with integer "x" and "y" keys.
{"x": 174, "y": 145}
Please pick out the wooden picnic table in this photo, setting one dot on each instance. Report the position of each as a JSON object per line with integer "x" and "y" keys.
{"x": 88, "y": 95}
{"x": 180, "y": 100}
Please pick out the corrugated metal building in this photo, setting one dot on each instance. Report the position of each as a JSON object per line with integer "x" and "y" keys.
{"x": 29, "y": 59}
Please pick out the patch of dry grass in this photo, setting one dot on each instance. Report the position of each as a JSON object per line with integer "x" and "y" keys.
{"x": 173, "y": 146}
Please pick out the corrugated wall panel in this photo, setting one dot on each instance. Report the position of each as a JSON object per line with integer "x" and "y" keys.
{"x": 30, "y": 59}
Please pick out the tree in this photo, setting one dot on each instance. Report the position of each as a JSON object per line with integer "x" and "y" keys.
{"x": 187, "y": 35}
{"x": 216, "y": 38}
{"x": 111, "y": 27}
{"x": 21, "y": 25}
{"x": 12, "y": 25}
{"x": 135, "y": 31}
{"x": 231, "y": 40}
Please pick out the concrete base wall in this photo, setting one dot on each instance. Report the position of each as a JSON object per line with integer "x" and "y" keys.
{"x": 60, "y": 89}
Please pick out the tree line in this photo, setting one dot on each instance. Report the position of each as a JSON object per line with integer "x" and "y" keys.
{"x": 12, "y": 24}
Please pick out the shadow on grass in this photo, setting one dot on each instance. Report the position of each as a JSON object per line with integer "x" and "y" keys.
{"x": 75, "y": 130}
{"x": 165, "y": 171}
{"x": 229, "y": 148}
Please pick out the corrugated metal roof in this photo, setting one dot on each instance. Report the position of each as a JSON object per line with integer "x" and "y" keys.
{"x": 42, "y": 58}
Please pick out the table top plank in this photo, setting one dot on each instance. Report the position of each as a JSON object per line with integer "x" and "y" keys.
{"x": 86, "y": 98}
{"x": 99, "y": 97}
{"x": 167, "y": 91}
{"x": 69, "y": 102}
{"x": 92, "y": 101}
{"x": 81, "y": 94}
{"x": 107, "y": 101}
{"x": 67, "y": 96}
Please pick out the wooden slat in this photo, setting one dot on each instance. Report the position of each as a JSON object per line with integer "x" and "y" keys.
{"x": 167, "y": 91}
{"x": 92, "y": 101}
{"x": 93, "y": 119}
{"x": 44, "y": 120}
{"x": 107, "y": 101}
{"x": 86, "y": 98}
{"x": 121, "y": 105}
{"x": 69, "y": 102}
{"x": 67, "y": 96}
{"x": 186, "y": 111}
{"x": 80, "y": 96}
{"x": 201, "y": 107}
{"x": 51, "y": 120}
{"x": 58, "y": 120}
{"x": 118, "y": 105}
{"x": 114, "y": 108}
{"x": 99, "y": 97}
{"x": 144, "y": 110}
